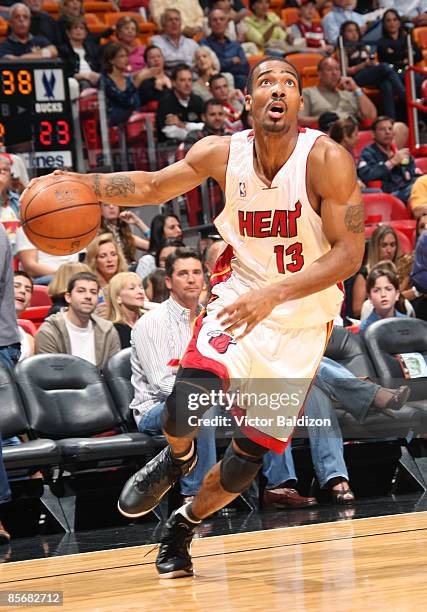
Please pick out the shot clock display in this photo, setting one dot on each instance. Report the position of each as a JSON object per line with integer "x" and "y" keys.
{"x": 35, "y": 109}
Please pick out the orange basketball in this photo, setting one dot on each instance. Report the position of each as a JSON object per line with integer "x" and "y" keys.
{"x": 60, "y": 215}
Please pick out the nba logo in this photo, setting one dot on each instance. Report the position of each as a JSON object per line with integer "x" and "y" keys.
{"x": 242, "y": 190}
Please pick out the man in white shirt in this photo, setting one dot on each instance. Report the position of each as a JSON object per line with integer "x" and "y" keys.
{"x": 159, "y": 339}
{"x": 190, "y": 12}
{"x": 176, "y": 48}
{"x": 342, "y": 11}
{"x": 77, "y": 331}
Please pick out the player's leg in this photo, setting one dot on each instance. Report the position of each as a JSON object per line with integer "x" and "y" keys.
{"x": 223, "y": 483}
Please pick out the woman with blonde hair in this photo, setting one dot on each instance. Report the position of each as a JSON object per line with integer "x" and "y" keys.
{"x": 105, "y": 258}
{"x": 58, "y": 286}
{"x": 125, "y": 302}
{"x": 206, "y": 64}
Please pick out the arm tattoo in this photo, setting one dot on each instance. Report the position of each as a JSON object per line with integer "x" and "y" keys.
{"x": 97, "y": 185}
{"x": 119, "y": 186}
{"x": 355, "y": 218}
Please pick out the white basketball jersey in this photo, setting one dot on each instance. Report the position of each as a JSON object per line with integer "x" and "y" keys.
{"x": 274, "y": 231}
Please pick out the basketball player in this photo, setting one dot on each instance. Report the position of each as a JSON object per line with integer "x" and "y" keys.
{"x": 294, "y": 223}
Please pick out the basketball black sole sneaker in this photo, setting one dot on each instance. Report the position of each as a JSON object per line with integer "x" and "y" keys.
{"x": 145, "y": 489}
{"x": 174, "y": 558}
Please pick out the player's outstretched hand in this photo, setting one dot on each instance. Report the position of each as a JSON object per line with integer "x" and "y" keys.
{"x": 37, "y": 180}
{"x": 249, "y": 310}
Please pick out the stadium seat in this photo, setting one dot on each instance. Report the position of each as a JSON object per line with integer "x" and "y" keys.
{"x": 365, "y": 139}
{"x": 407, "y": 227}
{"x": 3, "y": 27}
{"x": 36, "y": 314}
{"x": 40, "y": 296}
{"x": 253, "y": 59}
{"x": 420, "y": 36}
{"x": 117, "y": 374}
{"x": 383, "y": 207}
{"x": 421, "y": 162}
{"x": 306, "y": 64}
{"x": 94, "y": 24}
{"x": 290, "y": 15}
{"x": 27, "y": 326}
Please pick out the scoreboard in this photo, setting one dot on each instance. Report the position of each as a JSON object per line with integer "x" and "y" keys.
{"x": 35, "y": 112}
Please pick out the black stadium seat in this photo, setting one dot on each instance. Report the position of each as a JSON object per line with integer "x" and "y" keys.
{"x": 117, "y": 374}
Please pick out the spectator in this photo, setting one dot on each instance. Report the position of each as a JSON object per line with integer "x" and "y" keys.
{"x": 127, "y": 30}
{"x": 266, "y": 30}
{"x": 206, "y": 65}
{"x": 19, "y": 171}
{"x": 169, "y": 246}
{"x": 105, "y": 259}
{"x": 382, "y": 161}
{"x": 42, "y": 24}
{"x": 418, "y": 199}
{"x": 326, "y": 120}
{"x": 346, "y": 133}
{"x": 121, "y": 89}
{"x": 403, "y": 305}
{"x": 155, "y": 287}
{"x": 21, "y": 43}
{"x": 125, "y": 303}
{"x": 78, "y": 331}
{"x": 234, "y": 30}
{"x": 213, "y": 117}
{"x": 116, "y": 220}
{"x": 232, "y": 102}
{"x": 341, "y": 12}
{"x": 230, "y": 53}
{"x": 23, "y": 291}
{"x": 154, "y": 88}
{"x": 176, "y": 48}
{"x": 418, "y": 278}
{"x": 383, "y": 290}
{"x": 156, "y": 353}
{"x": 162, "y": 227}
{"x": 39, "y": 265}
{"x": 366, "y": 71}
{"x": 180, "y": 111}
{"x": 57, "y": 287}
{"x": 191, "y": 16}
{"x": 9, "y": 209}
{"x": 337, "y": 94}
{"x": 68, "y": 9}
{"x": 312, "y": 33}
{"x": 412, "y": 10}
{"x": 80, "y": 54}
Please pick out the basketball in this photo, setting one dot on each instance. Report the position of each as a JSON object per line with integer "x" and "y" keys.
{"x": 60, "y": 215}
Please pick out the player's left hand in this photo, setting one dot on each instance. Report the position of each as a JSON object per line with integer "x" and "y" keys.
{"x": 249, "y": 310}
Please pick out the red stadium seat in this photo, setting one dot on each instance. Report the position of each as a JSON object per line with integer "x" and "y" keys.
{"x": 383, "y": 207}
{"x": 407, "y": 227}
{"x": 36, "y": 314}
{"x": 40, "y": 296}
{"x": 365, "y": 138}
{"x": 27, "y": 326}
{"x": 421, "y": 162}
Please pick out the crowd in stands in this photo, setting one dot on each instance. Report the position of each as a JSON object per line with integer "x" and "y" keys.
{"x": 142, "y": 286}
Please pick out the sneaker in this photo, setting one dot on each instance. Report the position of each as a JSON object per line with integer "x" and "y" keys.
{"x": 174, "y": 559}
{"x": 145, "y": 489}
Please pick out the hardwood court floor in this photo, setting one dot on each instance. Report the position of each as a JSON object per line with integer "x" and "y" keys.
{"x": 376, "y": 563}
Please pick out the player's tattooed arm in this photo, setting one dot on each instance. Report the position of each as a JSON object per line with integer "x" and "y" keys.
{"x": 355, "y": 218}
{"x": 112, "y": 186}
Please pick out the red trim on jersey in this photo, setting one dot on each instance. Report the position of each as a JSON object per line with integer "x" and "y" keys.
{"x": 222, "y": 269}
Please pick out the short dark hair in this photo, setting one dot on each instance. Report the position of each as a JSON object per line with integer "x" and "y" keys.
{"x": 148, "y": 49}
{"x": 25, "y": 275}
{"x": 216, "y": 77}
{"x": 210, "y": 102}
{"x": 376, "y": 273}
{"x": 269, "y": 58}
{"x": 184, "y": 253}
{"x": 87, "y": 276}
{"x": 345, "y": 25}
{"x": 380, "y": 119}
{"x": 180, "y": 68}
{"x": 169, "y": 242}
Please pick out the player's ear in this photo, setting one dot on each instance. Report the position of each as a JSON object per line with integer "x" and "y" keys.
{"x": 248, "y": 103}
{"x": 301, "y": 104}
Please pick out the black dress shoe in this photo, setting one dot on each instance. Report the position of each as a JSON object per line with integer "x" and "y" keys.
{"x": 145, "y": 489}
{"x": 174, "y": 559}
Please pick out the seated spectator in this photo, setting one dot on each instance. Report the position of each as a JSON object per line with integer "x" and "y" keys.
{"x": 231, "y": 32}
{"x": 403, "y": 305}
{"x": 78, "y": 331}
{"x": 206, "y": 65}
{"x": 105, "y": 259}
{"x": 153, "y": 88}
{"x": 155, "y": 286}
{"x": 312, "y": 34}
{"x": 23, "y": 290}
{"x": 179, "y": 111}
{"x": 418, "y": 278}
{"x": 382, "y": 161}
{"x": 383, "y": 290}
{"x": 9, "y": 208}
{"x": 414, "y": 11}
{"x": 337, "y": 94}
{"x": 69, "y": 9}
{"x": 80, "y": 54}
{"x": 176, "y": 48}
{"x": 341, "y": 11}
{"x": 266, "y": 30}
{"x": 418, "y": 197}
{"x": 121, "y": 89}
{"x": 190, "y": 11}
{"x": 21, "y": 43}
{"x": 230, "y": 53}
{"x": 162, "y": 228}
{"x": 367, "y": 72}
{"x": 326, "y": 121}
{"x": 58, "y": 286}
{"x": 42, "y": 24}
{"x": 127, "y": 30}
{"x": 19, "y": 171}
{"x": 213, "y": 117}
{"x": 116, "y": 220}
{"x": 156, "y": 353}
{"x": 169, "y": 246}
{"x": 40, "y": 266}
{"x": 125, "y": 303}
{"x": 232, "y": 102}
{"x": 346, "y": 133}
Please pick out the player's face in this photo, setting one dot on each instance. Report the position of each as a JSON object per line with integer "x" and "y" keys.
{"x": 275, "y": 100}
{"x": 110, "y": 211}
{"x": 187, "y": 280}
{"x": 107, "y": 260}
{"x": 388, "y": 248}
{"x": 172, "y": 228}
{"x": 219, "y": 90}
{"x": 383, "y": 295}
{"x": 23, "y": 291}
{"x": 214, "y": 118}
{"x": 132, "y": 295}
{"x": 83, "y": 299}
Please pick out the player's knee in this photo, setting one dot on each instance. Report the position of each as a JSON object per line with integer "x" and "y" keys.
{"x": 189, "y": 400}
{"x": 238, "y": 470}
